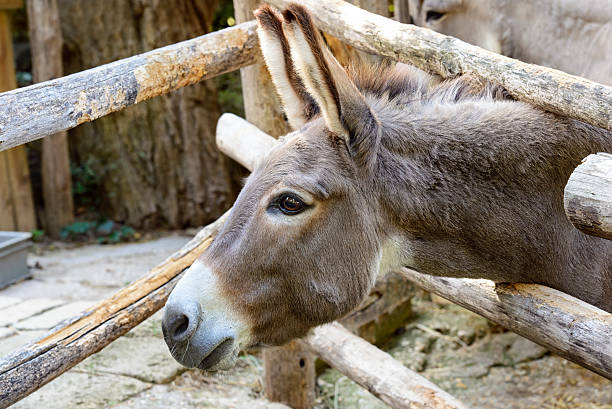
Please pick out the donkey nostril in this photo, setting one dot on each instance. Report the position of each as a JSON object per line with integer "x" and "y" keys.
{"x": 180, "y": 321}
{"x": 182, "y": 324}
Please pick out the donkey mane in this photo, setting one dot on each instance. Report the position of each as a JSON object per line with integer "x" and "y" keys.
{"x": 401, "y": 84}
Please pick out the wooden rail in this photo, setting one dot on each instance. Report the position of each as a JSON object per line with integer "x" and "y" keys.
{"x": 588, "y": 196}
{"x": 30, "y": 113}
{"x": 566, "y": 325}
{"x": 377, "y": 371}
{"x": 446, "y": 56}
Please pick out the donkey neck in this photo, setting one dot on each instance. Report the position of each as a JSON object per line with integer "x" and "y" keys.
{"x": 474, "y": 189}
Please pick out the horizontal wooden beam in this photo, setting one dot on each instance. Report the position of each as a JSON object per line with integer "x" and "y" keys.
{"x": 377, "y": 371}
{"x": 11, "y": 4}
{"x": 49, "y": 107}
{"x": 446, "y": 56}
{"x": 588, "y": 196}
{"x": 566, "y": 325}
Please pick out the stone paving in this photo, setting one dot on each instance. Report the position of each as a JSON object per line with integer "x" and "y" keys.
{"x": 465, "y": 354}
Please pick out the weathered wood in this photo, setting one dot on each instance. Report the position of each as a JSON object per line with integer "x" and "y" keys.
{"x": 10, "y": 4}
{"x": 21, "y": 200}
{"x": 566, "y": 325}
{"x": 289, "y": 375}
{"x": 569, "y": 327}
{"x": 545, "y": 88}
{"x": 32, "y": 366}
{"x": 30, "y": 113}
{"x": 588, "y": 196}
{"x": 46, "y": 51}
{"x": 6, "y": 201}
{"x": 16, "y": 203}
{"x": 377, "y": 371}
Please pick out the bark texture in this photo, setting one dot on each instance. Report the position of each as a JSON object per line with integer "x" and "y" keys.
{"x": 157, "y": 161}
{"x": 388, "y": 379}
{"x": 588, "y": 196}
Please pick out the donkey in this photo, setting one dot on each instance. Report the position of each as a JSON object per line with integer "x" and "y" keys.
{"x": 387, "y": 167}
{"x": 569, "y": 35}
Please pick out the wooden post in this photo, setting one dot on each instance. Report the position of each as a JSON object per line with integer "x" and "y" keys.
{"x": 401, "y": 11}
{"x": 33, "y": 112}
{"x": 380, "y": 7}
{"x": 289, "y": 375}
{"x": 16, "y": 204}
{"x": 588, "y": 196}
{"x": 46, "y": 45}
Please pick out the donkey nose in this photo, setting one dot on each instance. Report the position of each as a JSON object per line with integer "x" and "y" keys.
{"x": 180, "y": 321}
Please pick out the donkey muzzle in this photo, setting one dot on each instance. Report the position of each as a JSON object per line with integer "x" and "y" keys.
{"x": 197, "y": 326}
{"x": 190, "y": 343}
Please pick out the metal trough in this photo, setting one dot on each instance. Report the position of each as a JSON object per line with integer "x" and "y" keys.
{"x": 13, "y": 256}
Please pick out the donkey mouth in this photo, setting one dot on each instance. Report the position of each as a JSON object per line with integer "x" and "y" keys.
{"x": 223, "y": 350}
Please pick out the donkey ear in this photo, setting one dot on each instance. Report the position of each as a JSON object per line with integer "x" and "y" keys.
{"x": 299, "y": 106}
{"x": 344, "y": 108}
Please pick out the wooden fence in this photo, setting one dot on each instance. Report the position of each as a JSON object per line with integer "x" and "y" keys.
{"x": 567, "y": 326}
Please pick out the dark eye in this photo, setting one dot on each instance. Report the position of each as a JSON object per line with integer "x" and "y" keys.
{"x": 433, "y": 15}
{"x": 290, "y": 204}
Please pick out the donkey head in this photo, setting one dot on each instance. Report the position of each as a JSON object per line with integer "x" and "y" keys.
{"x": 301, "y": 244}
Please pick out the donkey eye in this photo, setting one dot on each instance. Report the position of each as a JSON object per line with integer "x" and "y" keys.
{"x": 290, "y": 205}
{"x": 433, "y": 15}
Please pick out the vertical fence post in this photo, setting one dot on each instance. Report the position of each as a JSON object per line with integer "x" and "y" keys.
{"x": 375, "y": 6}
{"x": 289, "y": 372}
{"x": 16, "y": 204}
{"x": 400, "y": 11}
{"x": 46, "y": 46}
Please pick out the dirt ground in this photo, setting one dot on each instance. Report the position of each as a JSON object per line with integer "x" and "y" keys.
{"x": 468, "y": 356}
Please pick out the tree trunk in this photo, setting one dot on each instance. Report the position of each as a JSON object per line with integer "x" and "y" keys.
{"x": 157, "y": 161}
